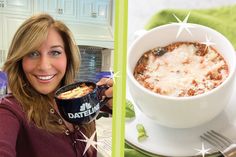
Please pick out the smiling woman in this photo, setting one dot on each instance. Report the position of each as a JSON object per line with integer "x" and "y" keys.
{"x": 42, "y": 57}
{"x": 45, "y": 68}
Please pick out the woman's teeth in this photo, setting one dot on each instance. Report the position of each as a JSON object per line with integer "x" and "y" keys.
{"x": 45, "y": 77}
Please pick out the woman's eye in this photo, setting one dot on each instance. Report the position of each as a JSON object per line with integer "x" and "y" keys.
{"x": 55, "y": 53}
{"x": 33, "y": 54}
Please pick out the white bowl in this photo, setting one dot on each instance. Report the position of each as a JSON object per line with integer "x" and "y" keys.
{"x": 181, "y": 112}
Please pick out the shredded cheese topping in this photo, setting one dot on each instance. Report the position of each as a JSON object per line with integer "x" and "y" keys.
{"x": 79, "y": 91}
{"x": 186, "y": 69}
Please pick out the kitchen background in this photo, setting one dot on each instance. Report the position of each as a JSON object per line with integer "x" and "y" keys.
{"x": 91, "y": 22}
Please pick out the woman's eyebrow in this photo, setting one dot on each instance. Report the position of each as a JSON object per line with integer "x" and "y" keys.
{"x": 56, "y": 46}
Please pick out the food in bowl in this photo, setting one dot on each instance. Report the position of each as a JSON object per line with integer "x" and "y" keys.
{"x": 77, "y": 92}
{"x": 185, "y": 111}
{"x": 181, "y": 69}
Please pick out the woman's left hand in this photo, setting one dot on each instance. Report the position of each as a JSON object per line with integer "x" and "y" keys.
{"x": 109, "y": 92}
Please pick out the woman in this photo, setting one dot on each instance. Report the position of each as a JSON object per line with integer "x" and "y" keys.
{"x": 42, "y": 57}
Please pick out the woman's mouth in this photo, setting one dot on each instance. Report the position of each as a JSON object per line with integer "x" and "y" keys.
{"x": 45, "y": 78}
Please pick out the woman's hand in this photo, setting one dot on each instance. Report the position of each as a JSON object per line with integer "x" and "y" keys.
{"x": 109, "y": 92}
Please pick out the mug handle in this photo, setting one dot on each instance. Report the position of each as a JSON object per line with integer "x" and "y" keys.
{"x": 101, "y": 94}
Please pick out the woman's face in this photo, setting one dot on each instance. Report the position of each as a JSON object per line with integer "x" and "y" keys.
{"x": 46, "y": 67}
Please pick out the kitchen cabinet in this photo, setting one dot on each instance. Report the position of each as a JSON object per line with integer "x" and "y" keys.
{"x": 95, "y": 23}
{"x": 107, "y": 60}
{"x": 82, "y": 11}
{"x": 95, "y": 11}
{"x": 8, "y": 26}
{"x": 12, "y": 14}
{"x": 65, "y": 10}
{"x": 89, "y": 20}
{"x": 16, "y": 6}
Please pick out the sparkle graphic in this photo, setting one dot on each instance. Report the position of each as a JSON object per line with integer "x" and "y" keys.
{"x": 203, "y": 151}
{"x": 90, "y": 141}
{"x": 207, "y": 43}
{"x": 183, "y": 25}
{"x": 113, "y": 76}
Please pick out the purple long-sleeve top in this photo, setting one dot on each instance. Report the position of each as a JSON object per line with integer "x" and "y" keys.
{"x": 20, "y": 138}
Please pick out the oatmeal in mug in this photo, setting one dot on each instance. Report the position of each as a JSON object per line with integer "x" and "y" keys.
{"x": 181, "y": 69}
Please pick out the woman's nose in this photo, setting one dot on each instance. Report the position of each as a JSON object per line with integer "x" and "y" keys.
{"x": 44, "y": 63}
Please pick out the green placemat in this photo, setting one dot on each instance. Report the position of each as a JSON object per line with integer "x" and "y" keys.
{"x": 130, "y": 152}
{"x": 222, "y": 19}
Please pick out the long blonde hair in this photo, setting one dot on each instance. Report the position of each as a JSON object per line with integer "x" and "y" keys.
{"x": 29, "y": 38}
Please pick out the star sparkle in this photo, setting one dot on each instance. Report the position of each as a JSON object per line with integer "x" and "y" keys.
{"x": 113, "y": 76}
{"x": 208, "y": 43}
{"x": 183, "y": 25}
{"x": 89, "y": 141}
{"x": 203, "y": 151}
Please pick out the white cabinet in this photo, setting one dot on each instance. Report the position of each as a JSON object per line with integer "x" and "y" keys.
{"x": 16, "y": 6}
{"x": 95, "y": 11}
{"x": 95, "y": 23}
{"x": 8, "y": 27}
{"x": 78, "y": 11}
{"x": 89, "y": 20}
{"x": 12, "y": 14}
{"x": 107, "y": 60}
{"x": 65, "y": 10}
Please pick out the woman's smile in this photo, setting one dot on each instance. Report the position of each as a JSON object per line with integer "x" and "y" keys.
{"x": 44, "y": 78}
